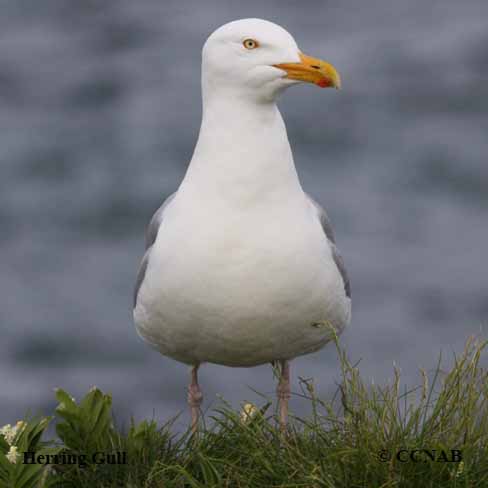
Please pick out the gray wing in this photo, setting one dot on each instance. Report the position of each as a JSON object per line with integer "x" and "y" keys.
{"x": 327, "y": 227}
{"x": 154, "y": 224}
{"x": 151, "y": 234}
{"x": 141, "y": 273}
{"x": 324, "y": 219}
{"x": 342, "y": 269}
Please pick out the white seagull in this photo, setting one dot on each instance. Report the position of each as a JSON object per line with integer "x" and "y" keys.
{"x": 241, "y": 266}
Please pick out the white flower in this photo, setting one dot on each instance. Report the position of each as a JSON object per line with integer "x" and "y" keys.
{"x": 9, "y": 433}
{"x": 20, "y": 426}
{"x": 248, "y": 412}
{"x": 12, "y": 454}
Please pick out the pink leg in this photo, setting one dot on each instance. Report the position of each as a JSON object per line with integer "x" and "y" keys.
{"x": 283, "y": 393}
{"x": 195, "y": 398}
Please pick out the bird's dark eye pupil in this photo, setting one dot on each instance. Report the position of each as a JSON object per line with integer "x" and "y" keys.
{"x": 250, "y": 43}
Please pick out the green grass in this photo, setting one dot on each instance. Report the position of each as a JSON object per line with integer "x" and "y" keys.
{"x": 340, "y": 445}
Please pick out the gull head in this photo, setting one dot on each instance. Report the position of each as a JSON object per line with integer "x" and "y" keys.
{"x": 257, "y": 59}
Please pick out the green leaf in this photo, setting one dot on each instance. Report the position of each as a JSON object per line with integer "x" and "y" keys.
{"x": 211, "y": 475}
{"x": 6, "y": 467}
{"x": 67, "y": 407}
{"x": 69, "y": 436}
{"x": 28, "y": 475}
{"x": 4, "y": 446}
{"x": 29, "y": 437}
{"x": 87, "y": 426}
{"x": 101, "y": 418}
{"x": 65, "y": 400}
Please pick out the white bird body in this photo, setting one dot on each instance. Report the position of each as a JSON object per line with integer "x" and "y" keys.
{"x": 241, "y": 266}
{"x": 241, "y": 269}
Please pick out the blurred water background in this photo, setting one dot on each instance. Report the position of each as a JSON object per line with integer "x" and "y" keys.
{"x": 99, "y": 113}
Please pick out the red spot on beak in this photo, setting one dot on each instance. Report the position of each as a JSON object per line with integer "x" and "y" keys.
{"x": 323, "y": 83}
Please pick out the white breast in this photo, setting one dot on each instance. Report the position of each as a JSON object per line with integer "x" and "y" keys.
{"x": 241, "y": 269}
{"x": 241, "y": 289}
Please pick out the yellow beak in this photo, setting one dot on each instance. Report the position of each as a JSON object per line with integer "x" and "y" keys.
{"x": 312, "y": 70}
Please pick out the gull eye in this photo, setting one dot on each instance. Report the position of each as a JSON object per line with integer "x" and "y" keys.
{"x": 250, "y": 44}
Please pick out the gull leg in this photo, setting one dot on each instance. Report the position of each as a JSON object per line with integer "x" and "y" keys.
{"x": 283, "y": 393}
{"x": 195, "y": 398}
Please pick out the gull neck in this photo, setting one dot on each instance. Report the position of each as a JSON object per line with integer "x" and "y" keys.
{"x": 242, "y": 152}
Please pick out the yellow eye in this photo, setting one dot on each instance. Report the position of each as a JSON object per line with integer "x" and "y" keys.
{"x": 250, "y": 44}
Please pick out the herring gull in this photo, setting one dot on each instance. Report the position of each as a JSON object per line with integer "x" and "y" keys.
{"x": 241, "y": 264}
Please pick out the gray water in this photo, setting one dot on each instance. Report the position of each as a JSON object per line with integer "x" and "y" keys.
{"x": 99, "y": 112}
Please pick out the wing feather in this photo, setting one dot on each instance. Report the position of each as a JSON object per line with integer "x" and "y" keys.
{"x": 151, "y": 234}
{"x": 327, "y": 228}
